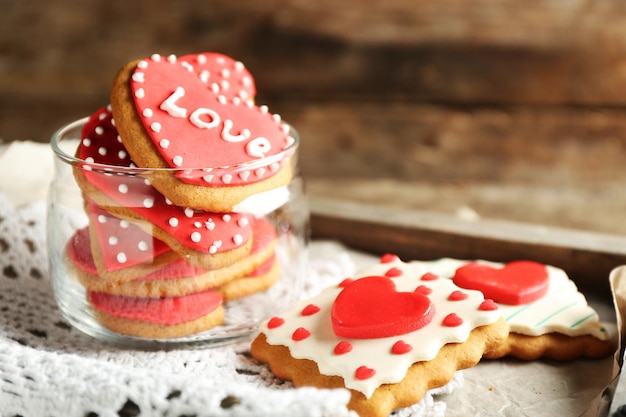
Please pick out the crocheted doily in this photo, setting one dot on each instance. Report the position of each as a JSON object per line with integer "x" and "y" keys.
{"x": 48, "y": 368}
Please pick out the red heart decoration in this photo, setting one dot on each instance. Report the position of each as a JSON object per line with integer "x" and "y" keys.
{"x": 198, "y": 230}
{"x": 518, "y": 282}
{"x": 371, "y": 307}
{"x": 193, "y": 127}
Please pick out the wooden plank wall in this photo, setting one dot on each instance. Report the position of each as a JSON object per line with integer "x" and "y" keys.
{"x": 497, "y": 108}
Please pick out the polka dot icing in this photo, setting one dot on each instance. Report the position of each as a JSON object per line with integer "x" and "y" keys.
{"x": 336, "y": 355}
{"x": 122, "y": 245}
{"x": 133, "y": 192}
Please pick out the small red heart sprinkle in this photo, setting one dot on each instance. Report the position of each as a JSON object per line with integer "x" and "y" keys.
{"x": 345, "y": 282}
{"x": 457, "y": 296}
{"x": 488, "y": 305}
{"x": 452, "y": 320}
{"x": 393, "y": 272}
{"x": 363, "y": 372}
{"x": 400, "y": 348}
{"x": 423, "y": 289}
{"x": 388, "y": 258}
{"x": 429, "y": 276}
{"x": 300, "y": 334}
{"x": 275, "y": 322}
{"x": 310, "y": 310}
{"x": 342, "y": 348}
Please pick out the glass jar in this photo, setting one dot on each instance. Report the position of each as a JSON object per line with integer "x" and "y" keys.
{"x": 131, "y": 266}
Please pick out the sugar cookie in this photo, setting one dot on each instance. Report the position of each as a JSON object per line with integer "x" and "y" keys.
{"x": 228, "y": 148}
{"x": 388, "y": 335}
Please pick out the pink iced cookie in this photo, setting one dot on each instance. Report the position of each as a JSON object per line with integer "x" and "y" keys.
{"x": 208, "y": 240}
{"x": 170, "y": 115}
{"x": 158, "y": 318}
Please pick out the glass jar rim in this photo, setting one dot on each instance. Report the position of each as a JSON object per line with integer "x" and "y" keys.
{"x": 76, "y": 161}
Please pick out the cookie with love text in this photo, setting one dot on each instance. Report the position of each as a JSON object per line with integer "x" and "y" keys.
{"x": 207, "y": 240}
{"x": 170, "y": 114}
{"x": 547, "y": 315}
{"x": 177, "y": 277}
{"x": 387, "y": 334}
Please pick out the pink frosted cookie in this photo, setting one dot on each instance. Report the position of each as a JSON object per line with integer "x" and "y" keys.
{"x": 123, "y": 251}
{"x": 207, "y": 240}
{"x": 388, "y": 335}
{"x": 196, "y": 113}
{"x": 547, "y": 315}
{"x": 167, "y": 317}
{"x": 177, "y": 277}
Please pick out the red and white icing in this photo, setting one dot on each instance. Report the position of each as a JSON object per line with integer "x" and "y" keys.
{"x": 122, "y": 244}
{"x": 222, "y": 74}
{"x": 167, "y": 311}
{"x": 366, "y": 363}
{"x": 79, "y": 252}
{"x": 562, "y": 309}
{"x": 202, "y": 231}
{"x": 207, "y": 131}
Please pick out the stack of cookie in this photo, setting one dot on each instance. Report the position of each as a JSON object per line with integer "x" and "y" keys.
{"x": 167, "y": 169}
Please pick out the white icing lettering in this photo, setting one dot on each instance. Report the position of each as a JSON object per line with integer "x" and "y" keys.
{"x": 198, "y": 122}
{"x": 229, "y": 137}
{"x": 170, "y": 106}
{"x": 258, "y": 147}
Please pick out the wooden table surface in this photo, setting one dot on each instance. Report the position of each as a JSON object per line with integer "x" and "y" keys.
{"x": 498, "y": 111}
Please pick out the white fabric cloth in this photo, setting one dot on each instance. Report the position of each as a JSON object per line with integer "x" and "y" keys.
{"x": 48, "y": 368}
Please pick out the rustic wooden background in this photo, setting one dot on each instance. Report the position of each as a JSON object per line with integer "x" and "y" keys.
{"x": 495, "y": 108}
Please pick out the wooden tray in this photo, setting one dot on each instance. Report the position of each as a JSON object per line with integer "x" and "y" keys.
{"x": 414, "y": 235}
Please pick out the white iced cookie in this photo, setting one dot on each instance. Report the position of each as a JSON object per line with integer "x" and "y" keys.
{"x": 547, "y": 315}
{"x": 387, "y": 334}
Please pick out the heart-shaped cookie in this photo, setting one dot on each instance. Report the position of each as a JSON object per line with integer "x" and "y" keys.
{"x": 371, "y": 307}
{"x": 120, "y": 243}
{"x": 223, "y": 148}
{"x": 518, "y": 282}
{"x": 182, "y": 228}
{"x": 192, "y": 126}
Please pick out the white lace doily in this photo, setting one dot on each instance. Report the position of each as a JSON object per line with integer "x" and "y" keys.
{"x": 48, "y": 368}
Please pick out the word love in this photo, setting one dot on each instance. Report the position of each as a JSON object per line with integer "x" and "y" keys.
{"x": 256, "y": 148}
